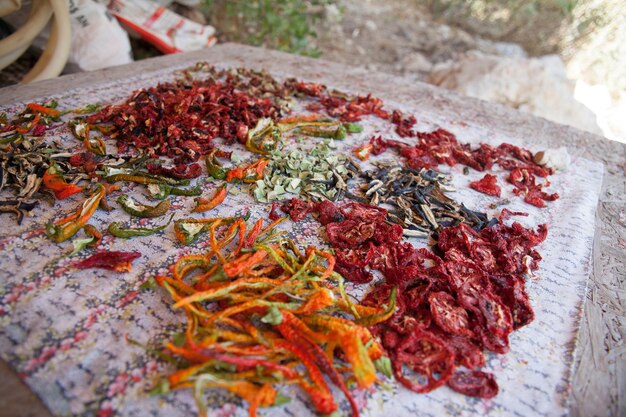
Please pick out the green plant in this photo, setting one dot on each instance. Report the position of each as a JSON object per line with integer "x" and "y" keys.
{"x": 286, "y": 25}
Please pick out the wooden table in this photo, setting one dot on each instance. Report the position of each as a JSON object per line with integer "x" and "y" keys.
{"x": 599, "y": 379}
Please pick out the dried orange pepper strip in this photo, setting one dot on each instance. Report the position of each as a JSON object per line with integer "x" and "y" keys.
{"x": 53, "y": 180}
{"x": 68, "y": 227}
{"x": 248, "y": 173}
{"x": 206, "y": 205}
{"x": 43, "y": 109}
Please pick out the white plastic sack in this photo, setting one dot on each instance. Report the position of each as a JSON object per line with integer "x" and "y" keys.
{"x": 98, "y": 40}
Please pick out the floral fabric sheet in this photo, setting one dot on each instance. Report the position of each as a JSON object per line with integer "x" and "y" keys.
{"x": 66, "y": 331}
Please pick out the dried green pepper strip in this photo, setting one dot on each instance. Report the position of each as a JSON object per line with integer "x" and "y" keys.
{"x": 81, "y": 130}
{"x": 141, "y": 178}
{"x": 162, "y": 191}
{"x": 142, "y": 210}
{"x": 264, "y": 137}
{"x": 335, "y": 131}
{"x": 213, "y": 166}
{"x": 117, "y": 230}
{"x": 353, "y": 127}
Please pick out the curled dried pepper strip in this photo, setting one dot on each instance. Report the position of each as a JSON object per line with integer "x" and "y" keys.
{"x": 203, "y": 205}
{"x": 53, "y": 180}
{"x": 50, "y": 111}
{"x": 82, "y": 131}
{"x": 141, "y": 178}
{"x": 69, "y": 226}
{"x": 91, "y": 230}
{"x": 113, "y": 261}
{"x": 264, "y": 138}
{"x": 248, "y": 173}
{"x": 117, "y": 230}
{"x": 141, "y": 210}
{"x": 188, "y": 230}
{"x": 180, "y": 172}
{"x": 29, "y": 125}
{"x": 162, "y": 191}
{"x": 213, "y": 166}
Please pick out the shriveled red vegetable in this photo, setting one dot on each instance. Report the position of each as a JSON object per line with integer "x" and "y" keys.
{"x": 113, "y": 261}
{"x": 487, "y": 185}
{"x": 53, "y": 180}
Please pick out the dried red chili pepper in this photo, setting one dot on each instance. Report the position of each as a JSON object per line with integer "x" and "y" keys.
{"x": 113, "y": 261}
{"x": 487, "y": 185}
{"x": 525, "y": 184}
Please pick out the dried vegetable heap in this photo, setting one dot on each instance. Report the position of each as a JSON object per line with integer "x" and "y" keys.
{"x": 264, "y": 314}
{"x": 318, "y": 174}
{"x": 181, "y": 119}
{"x": 442, "y": 147}
{"x": 32, "y": 169}
{"x": 466, "y": 295}
{"x": 421, "y": 206}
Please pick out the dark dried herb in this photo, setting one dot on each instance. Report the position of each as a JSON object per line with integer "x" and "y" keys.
{"x": 419, "y": 200}
{"x": 19, "y": 208}
{"x": 24, "y": 162}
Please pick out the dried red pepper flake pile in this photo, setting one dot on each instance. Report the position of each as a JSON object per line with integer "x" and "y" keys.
{"x": 465, "y": 295}
{"x": 442, "y": 147}
{"x": 352, "y": 108}
{"x": 181, "y": 119}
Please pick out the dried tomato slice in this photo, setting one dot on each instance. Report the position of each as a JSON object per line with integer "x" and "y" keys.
{"x": 448, "y": 315}
{"x": 349, "y": 233}
{"x": 474, "y": 384}
{"x": 358, "y": 257}
{"x": 329, "y": 213}
{"x": 467, "y": 353}
{"x": 297, "y": 209}
{"x": 426, "y": 355}
{"x": 357, "y": 275}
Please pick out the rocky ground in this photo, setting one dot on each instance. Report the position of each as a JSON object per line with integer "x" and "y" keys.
{"x": 404, "y": 38}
